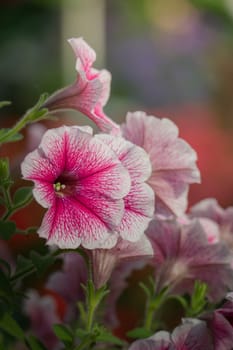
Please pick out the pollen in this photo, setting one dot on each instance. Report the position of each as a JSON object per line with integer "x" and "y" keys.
{"x": 58, "y": 187}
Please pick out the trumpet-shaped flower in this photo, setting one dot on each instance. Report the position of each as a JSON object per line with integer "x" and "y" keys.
{"x": 105, "y": 260}
{"x": 173, "y": 160}
{"x": 182, "y": 254}
{"x": 89, "y": 93}
{"x": 82, "y": 183}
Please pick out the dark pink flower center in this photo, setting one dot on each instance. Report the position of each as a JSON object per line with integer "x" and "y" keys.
{"x": 65, "y": 185}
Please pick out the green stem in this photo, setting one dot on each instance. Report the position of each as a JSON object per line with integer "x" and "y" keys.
{"x": 13, "y": 209}
{"x": 26, "y": 272}
{"x": 84, "y": 344}
{"x": 18, "y": 126}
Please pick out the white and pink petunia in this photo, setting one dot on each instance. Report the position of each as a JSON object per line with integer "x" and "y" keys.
{"x": 82, "y": 182}
{"x": 85, "y": 184}
{"x": 89, "y": 93}
{"x": 173, "y": 160}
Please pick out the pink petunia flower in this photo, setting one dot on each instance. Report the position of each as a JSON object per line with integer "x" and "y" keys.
{"x": 105, "y": 260}
{"x": 221, "y": 220}
{"x": 220, "y": 324}
{"x": 192, "y": 334}
{"x": 89, "y": 93}
{"x": 173, "y": 160}
{"x": 182, "y": 255}
{"x": 82, "y": 183}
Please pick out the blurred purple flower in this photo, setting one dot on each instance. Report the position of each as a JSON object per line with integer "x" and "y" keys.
{"x": 208, "y": 210}
{"x": 191, "y": 335}
{"x": 42, "y": 313}
{"x": 220, "y": 325}
{"x": 182, "y": 255}
{"x": 68, "y": 281}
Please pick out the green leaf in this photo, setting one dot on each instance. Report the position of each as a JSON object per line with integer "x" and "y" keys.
{"x": 9, "y": 325}
{"x": 22, "y": 196}
{"x": 139, "y": 333}
{"x": 107, "y": 337}
{"x": 13, "y": 138}
{"x": 41, "y": 262}
{"x": 34, "y": 343}
{"x": 4, "y": 103}
{"x": 63, "y": 333}
{"x": 7, "y": 229}
{"x": 4, "y": 170}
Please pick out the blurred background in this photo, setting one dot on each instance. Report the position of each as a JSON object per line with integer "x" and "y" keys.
{"x": 170, "y": 58}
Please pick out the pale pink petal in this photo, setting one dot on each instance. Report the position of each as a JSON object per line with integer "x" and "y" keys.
{"x": 85, "y": 55}
{"x": 103, "y": 262}
{"x": 105, "y": 79}
{"x": 44, "y": 193}
{"x": 211, "y": 230}
{"x": 209, "y": 208}
{"x": 173, "y": 160}
{"x": 139, "y": 208}
{"x": 134, "y": 158}
{"x": 134, "y": 250}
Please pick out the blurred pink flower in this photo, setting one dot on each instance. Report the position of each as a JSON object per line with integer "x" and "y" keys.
{"x": 182, "y": 255}
{"x": 173, "y": 160}
{"x": 67, "y": 282}
{"x": 42, "y": 313}
{"x": 221, "y": 220}
{"x": 89, "y": 93}
{"x": 82, "y": 182}
{"x": 105, "y": 260}
{"x": 192, "y": 334}
{"x": 220, "y": 324}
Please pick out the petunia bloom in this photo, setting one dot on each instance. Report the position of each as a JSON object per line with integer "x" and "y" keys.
{"x": 221, "y": 220}
{"x": 89, "y": 93}
{"x": 173, "y": 160}
{"x": 105, "y": 260}
{"x": 220, "y": 324}
{"x": 182, "y": 255}
{"x": 82, "y": 183}
{"x": 192, "y": 334}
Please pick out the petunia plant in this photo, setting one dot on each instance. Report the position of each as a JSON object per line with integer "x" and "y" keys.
{"x": 113, "y": 225}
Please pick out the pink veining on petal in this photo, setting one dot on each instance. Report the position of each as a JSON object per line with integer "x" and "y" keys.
{"x": 173, "y": 160}
{"x": 82, "y": 182}
{"x": 139, "y": 202}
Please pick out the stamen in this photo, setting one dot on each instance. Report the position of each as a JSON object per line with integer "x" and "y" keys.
{"x": 58, "y": 186}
